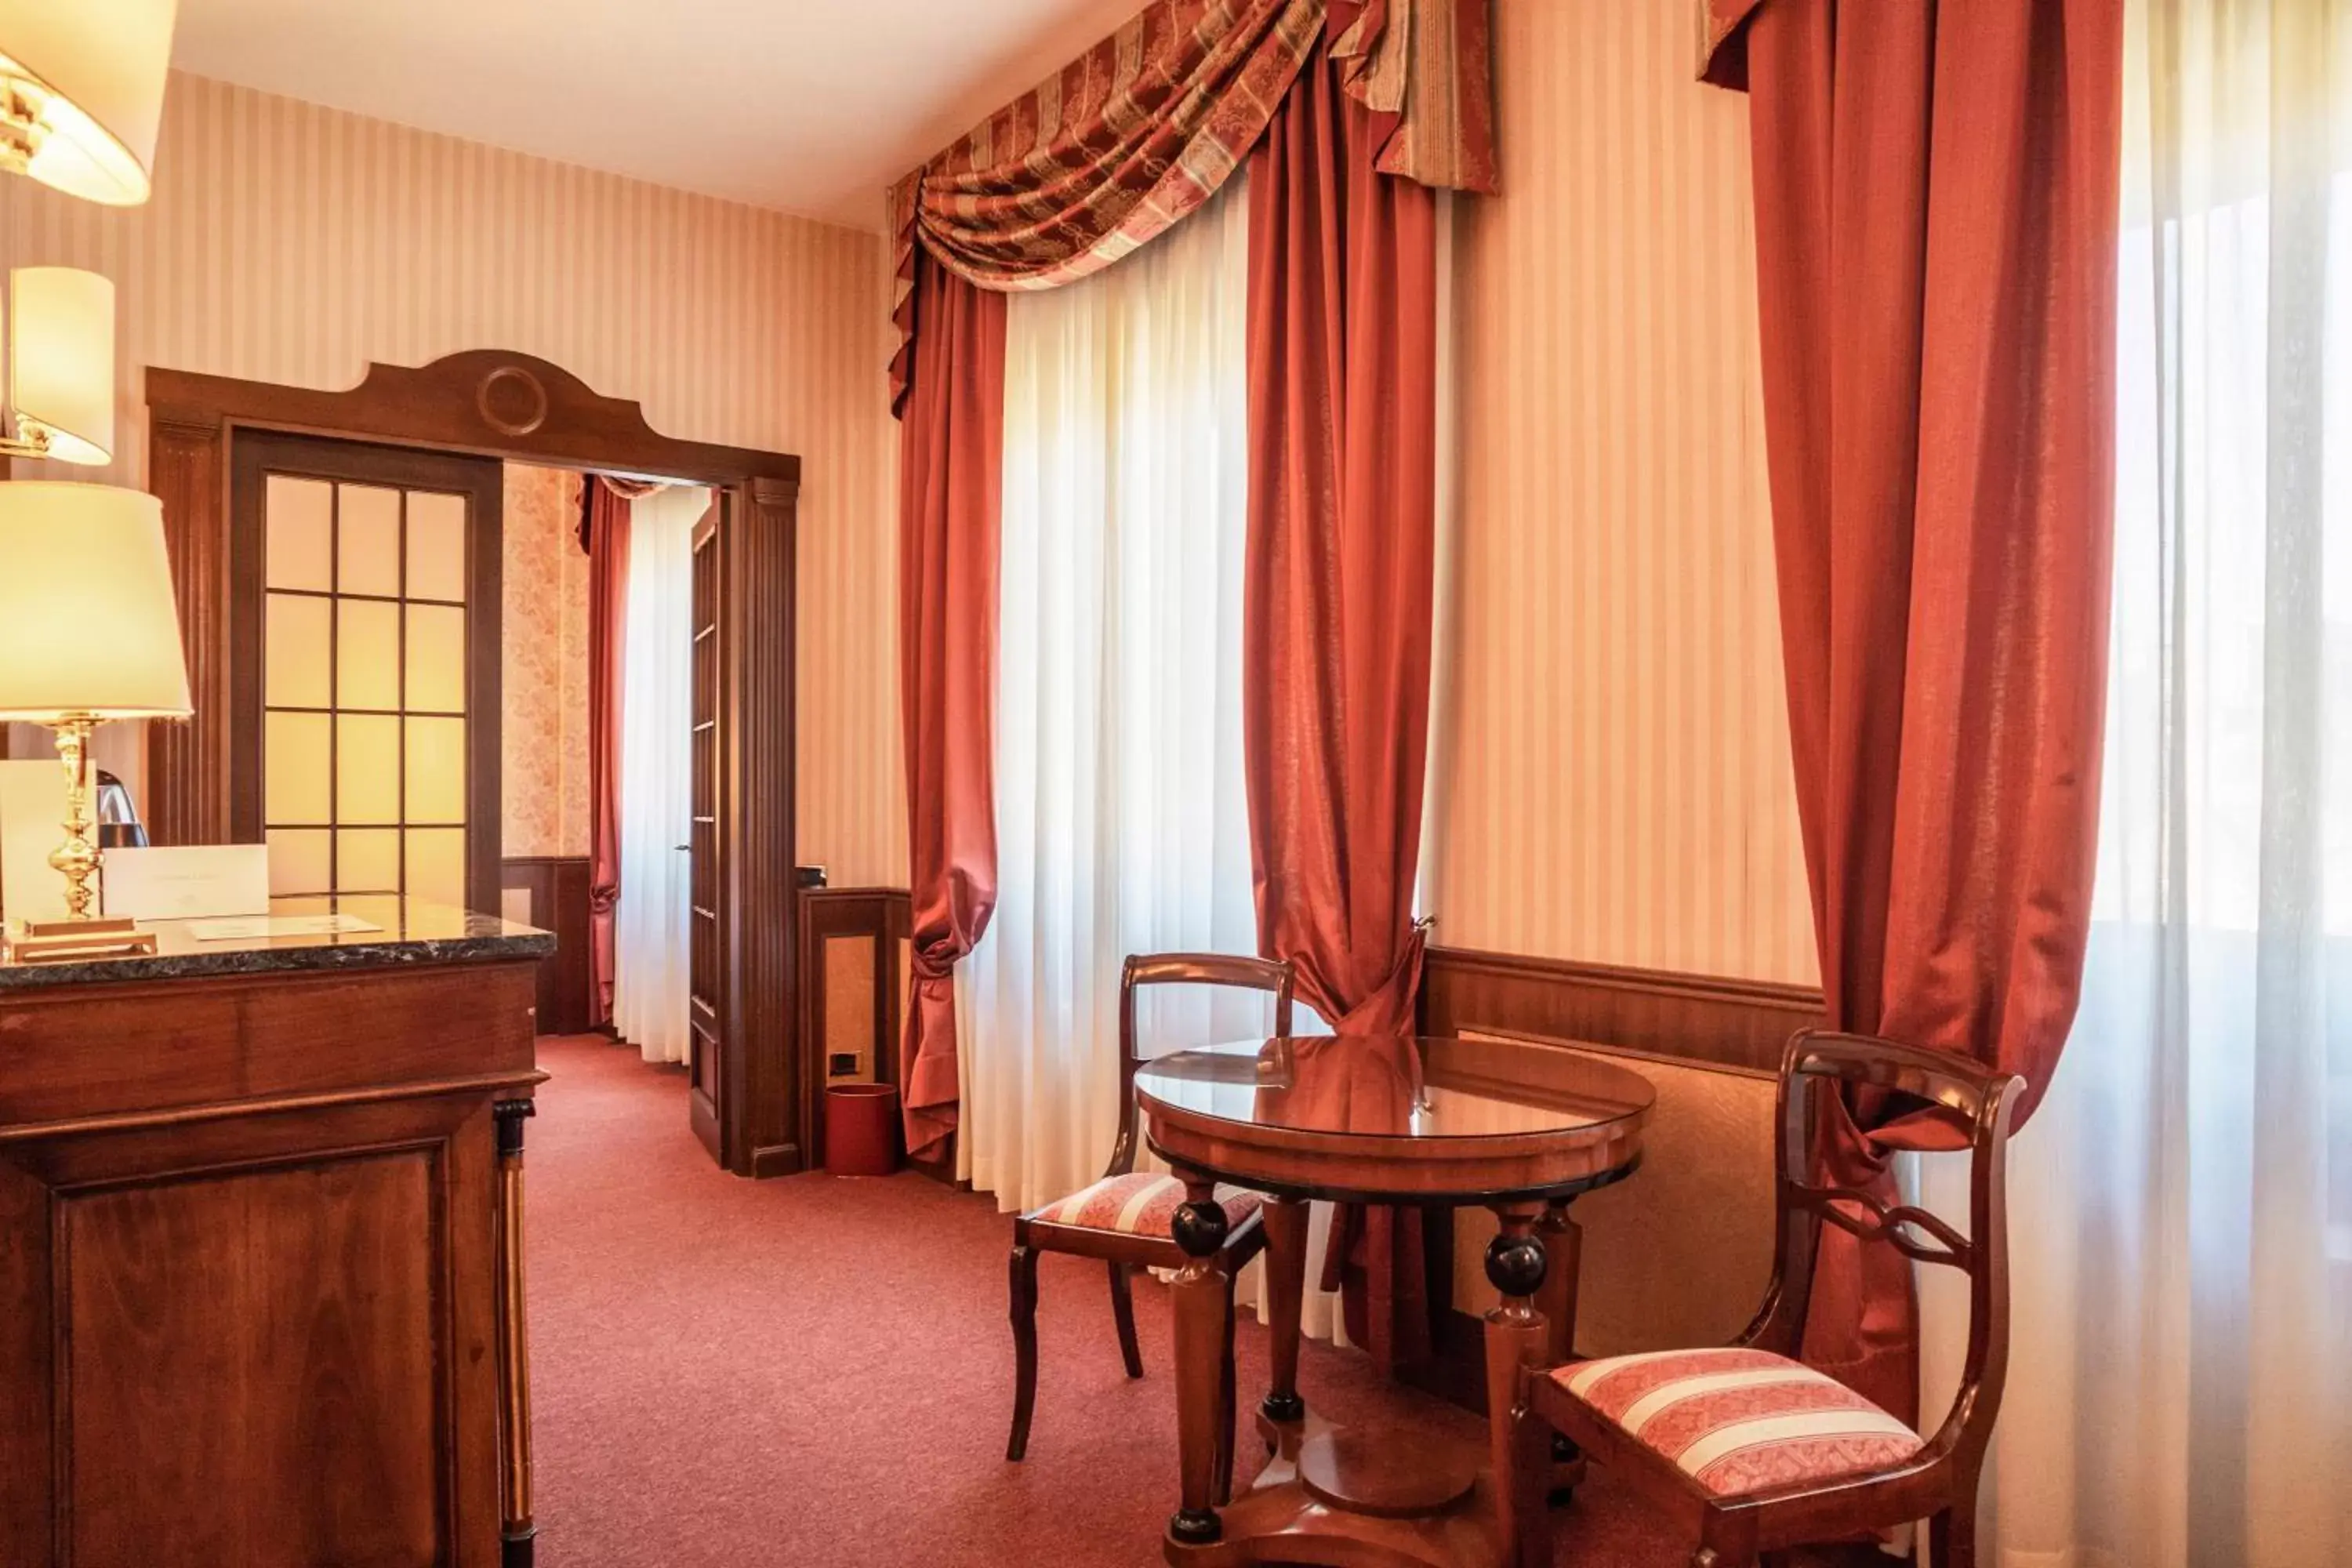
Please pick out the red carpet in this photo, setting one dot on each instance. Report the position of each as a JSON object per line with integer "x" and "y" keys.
{"x": 817, "y": 1372}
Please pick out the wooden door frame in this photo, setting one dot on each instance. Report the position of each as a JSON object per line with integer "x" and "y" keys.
{"x": 511, "y": 406}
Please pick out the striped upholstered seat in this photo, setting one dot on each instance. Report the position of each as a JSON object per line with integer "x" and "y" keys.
{"x": 1740, "y": 1421}
{"x": 1141, "y": 1204}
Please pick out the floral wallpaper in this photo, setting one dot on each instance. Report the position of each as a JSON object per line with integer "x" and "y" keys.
{"x": 544, "y": 734}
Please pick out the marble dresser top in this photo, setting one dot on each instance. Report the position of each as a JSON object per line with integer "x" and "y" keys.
{"x": 422, "y": 933}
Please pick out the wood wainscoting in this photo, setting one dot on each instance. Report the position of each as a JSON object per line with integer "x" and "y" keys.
{"x": 853, "y": 996}
{"x": 1695, "y": 1017}
{"x": 1681, "y": 1251}
{"x": 550, "y": 892}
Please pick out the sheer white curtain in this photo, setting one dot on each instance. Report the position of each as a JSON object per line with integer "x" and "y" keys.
{"x": 2181, "y": 1389}
{"x": 1121, "y": 820}
{"x": 652, "y": 922}
{"x": 1121, "y": 810}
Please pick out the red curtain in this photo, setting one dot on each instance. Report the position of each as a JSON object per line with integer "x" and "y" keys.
{"x": 1937, "y": 235}
{"x": 1342, "y": 528}
{"x": 949, "y": 457}
{"x": 606, "y": 536}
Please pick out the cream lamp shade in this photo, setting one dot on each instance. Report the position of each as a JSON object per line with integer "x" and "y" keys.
{"x": 61, "y": 361}
{"x": 88, "y": 80}
{"x": 87, "y": 623}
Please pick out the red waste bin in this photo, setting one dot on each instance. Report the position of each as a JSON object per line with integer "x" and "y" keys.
{"x": 861, "y": 1130}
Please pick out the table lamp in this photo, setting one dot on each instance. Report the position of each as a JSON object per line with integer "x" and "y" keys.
{"x": 81, "y": 93}
{"x": 88, "y": 632}
{"x": 60, "y": 366}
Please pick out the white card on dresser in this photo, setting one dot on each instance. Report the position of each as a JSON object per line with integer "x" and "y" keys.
{"x": 187, "y": 881}
{"x": 32, "y": 824}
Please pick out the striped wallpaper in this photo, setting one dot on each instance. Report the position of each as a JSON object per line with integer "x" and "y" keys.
{"x": 1613, "y": 777}
{"x": 1613, "y": 783}
{"x": 295, "y": 244}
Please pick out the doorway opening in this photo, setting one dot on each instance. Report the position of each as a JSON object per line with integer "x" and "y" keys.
{"x": 579, "y": 741}
{"x": 321, "y": 753}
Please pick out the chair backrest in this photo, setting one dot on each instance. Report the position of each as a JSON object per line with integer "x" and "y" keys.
{"x": 1181, "y": 969}
{"x": 1977, "y": 1102}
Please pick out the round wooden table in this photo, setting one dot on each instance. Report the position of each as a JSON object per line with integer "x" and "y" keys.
{"x": 1520, "y": 1128}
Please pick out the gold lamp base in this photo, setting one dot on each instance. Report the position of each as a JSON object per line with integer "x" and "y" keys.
{"x": 53, "y": 942}
{"x": 80, "y": 934}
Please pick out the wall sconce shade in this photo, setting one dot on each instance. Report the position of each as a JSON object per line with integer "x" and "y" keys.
{"x": 61, "y": 361}
{"x": 87, "y": 622}
{"x": 87, "y": 80}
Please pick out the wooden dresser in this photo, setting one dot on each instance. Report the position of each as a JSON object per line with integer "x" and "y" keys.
{"x": 261, "y": 1252}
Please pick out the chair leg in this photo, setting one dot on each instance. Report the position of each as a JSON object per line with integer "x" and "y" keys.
{"x": 1532, "y": 1473}
{"x": 1122, "y": 1307}
{"x": 1025, "y": 1348}
{"x": 1952, "y": 1538}
{"x": 1229, "y": 1397}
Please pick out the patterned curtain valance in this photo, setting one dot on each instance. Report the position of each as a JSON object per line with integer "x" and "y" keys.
{"x": 1146, "y": 126}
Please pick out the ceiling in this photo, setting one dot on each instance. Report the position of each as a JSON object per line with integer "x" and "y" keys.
{"x": 811, "y": 106}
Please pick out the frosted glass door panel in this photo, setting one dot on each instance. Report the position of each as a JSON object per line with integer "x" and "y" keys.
{"x": 367, "y": 540}
{"x": 367, "y": 655}
{"x": 436, "y": 546}
{"x": 297, "y": 630}
{"x": 300, "y": 529}
{"x": 301, "y": 769}
{"x": 436, "y": 655}
{"x": 299, "y": 861}
{"x": 365, "y": 721}
{"x": 367, "y": 769}
{"x": 435, "y": 779}
{"x": 367, "y": 859}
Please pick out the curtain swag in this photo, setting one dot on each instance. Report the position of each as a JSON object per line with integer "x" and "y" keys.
{"x": 613, "y": 485}
{"x": 1138, "y": 132}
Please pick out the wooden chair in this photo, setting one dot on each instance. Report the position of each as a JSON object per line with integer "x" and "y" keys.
{"x": 1744, "y": 1447}
{"x": 1124, "y": 1217}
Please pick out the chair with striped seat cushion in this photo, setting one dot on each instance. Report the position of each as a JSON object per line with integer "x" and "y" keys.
{"x": 1141, "y": 1204}
{"x": 1124, "y": 1217}
{"x": 1738, "y": 1420}
{"x": 1746, "y": 1449}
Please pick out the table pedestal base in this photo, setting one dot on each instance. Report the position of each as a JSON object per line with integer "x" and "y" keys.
{"x": 1351, "y": 1499}
{"x": 1366, "y": 1473}
{"x": 1363, "y": 1499}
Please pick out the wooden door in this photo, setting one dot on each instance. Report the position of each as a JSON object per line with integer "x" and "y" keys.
{"x": 747, "y": 1086}
{"x": 364, "y": 681}
{"x": 706, "y": 964}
